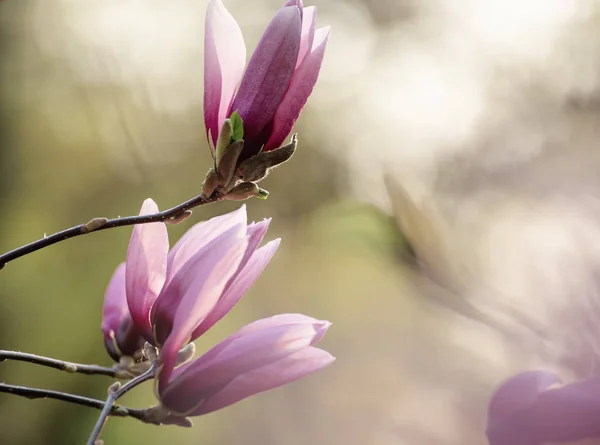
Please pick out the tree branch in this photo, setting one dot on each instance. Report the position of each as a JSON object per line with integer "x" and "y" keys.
{"x": 98, "y": 224}
{"x": 114, "y": 392}
{"x": 57, "y": 364}
{"x": 37, "y": 393}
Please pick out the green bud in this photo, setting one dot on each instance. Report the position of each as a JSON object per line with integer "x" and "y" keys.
{"x": 243, "y": 191}
{"x": 237, "y": 126}
{"x": 262, "y": 194}
{"x": 223, "y": 140}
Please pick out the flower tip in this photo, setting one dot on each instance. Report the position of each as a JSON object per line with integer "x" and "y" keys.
{"x": 321, "y": 327}
{"x": 149, "y": 206}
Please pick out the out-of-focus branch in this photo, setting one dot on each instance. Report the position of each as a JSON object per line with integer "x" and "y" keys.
{"x": 175, "y": 214}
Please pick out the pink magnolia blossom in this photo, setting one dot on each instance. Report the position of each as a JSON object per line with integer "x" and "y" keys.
{"x": 261, "y": 356}
{"x": 169, "y": 298}
{"x": 279, "y": 78}
{"x": 534, "y": 408}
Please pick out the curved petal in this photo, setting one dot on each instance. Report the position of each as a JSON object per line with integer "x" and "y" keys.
{"x": 200, "y": 285}
{"x": 235, "y": 356}
{"x": 146, "y": 268}
{"x": 269, "y": 71}
{"x": 224, "y": 60}
{"x": 115, "y": 307}
{"x": 512, "y": 402}
{"x": 301, "y": 87}
{"x": 238, "y": 286}
{"x": 286, "y": 370}
{"x": 518, "y": 392}
{"x": 199, "y": 236}
{"x": 114, "y": 310}
{"x": 309, "y": 21}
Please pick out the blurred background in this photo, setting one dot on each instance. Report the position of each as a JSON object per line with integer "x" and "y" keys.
{"x": 442, "y": 210}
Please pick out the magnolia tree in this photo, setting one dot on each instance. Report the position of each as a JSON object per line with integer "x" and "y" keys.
{"x": 159, "y": 300}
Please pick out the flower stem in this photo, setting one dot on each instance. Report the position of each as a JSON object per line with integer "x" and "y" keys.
{"x": 37, "y": 393}
{"x": 57, "y": 364}
{"x": 114, "y": 392}
{"x": 98, "y": 224}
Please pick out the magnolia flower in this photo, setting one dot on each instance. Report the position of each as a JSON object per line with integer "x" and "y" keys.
{"x": 261, "y": 356}
{"x": 169, "y": 298}
{"x": 279, "y": 78}
{"x": 530, "y": 409}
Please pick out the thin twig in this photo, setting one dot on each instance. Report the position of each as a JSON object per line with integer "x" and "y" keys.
{"x": 114, "y": 393}
{"x": 37, "y": 393}
{"x": 57, "y": 364}
{"x": 98, "y": 224}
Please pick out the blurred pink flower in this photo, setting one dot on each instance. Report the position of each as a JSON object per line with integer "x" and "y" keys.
{"x": 170, "y": 298}
{"x": 279, "y": 78}
{"x": 529, "y": 409}
{"x": 261, "y": 356}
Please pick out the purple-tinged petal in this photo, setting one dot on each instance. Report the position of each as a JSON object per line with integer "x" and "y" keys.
{"x": 199, "y": 236}
{"x": 115, "y": 307}
{"x": 238, "y": 286}
{"x": 301, "y": 87}
{"x": 241, "y": 353}
{"x": 286, "y": 370}
{"x": 269, "y": 71}
{"x": 566, "y": 414}
{"x": 519, "y": 392}
{"x": 287, "y": 320}
{"x": 309, "y": 21}
{"x": 146, "y": 268}
{"x": 200, "y": 286}
{"x": 224, "y": 60}
{"x": 294, "y": 3}
{"x": 114, "y": 310}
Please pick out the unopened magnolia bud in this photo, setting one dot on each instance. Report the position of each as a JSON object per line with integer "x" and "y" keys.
{"x": 179, "y": 218}
{"x": 223, "y": 140}
{"x": 114, "y": 387}
{"x": 257, "y": 167}
{"x": 243, "y": 191}
{"x": 211, "y": 181}
{"x": 94, "y": 224}
{"x": 228, "y": 161}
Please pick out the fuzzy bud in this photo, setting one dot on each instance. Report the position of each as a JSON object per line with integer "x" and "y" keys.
{"x": 243, "y": 191}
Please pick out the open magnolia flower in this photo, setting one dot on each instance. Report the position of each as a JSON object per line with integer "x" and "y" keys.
{"x": 169, "y": 298}
{"x": 532, "y": 408}
{"x": 261, "y": 356}
{"x": 272, "y": 91}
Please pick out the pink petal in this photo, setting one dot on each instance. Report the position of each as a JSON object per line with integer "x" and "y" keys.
{"x": 273, "y": 375}
{"x": 224, "y": 60}
{"x": 199, "y": 236}
{"x": 269, "y": 71}
{"x": 236, "y": 355}
{"x": 309, "y": 21}
{"x": 115, "y": 307}
{"x": 238, "y": 286}
{"x": 146, "y": 268}
{"x": 301, "y": 87}
{"x": 519, "y": 392}
{"x": 200, "y": 285}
